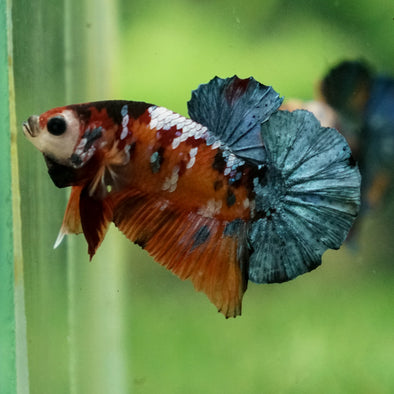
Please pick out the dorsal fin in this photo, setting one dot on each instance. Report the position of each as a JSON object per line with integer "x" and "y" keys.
{"x": 233, "y": 109}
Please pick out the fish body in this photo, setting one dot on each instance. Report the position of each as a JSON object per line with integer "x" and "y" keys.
{"x": 240, "y": 191}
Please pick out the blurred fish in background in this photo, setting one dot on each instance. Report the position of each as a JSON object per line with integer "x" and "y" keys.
{"x": 360, "y": 104}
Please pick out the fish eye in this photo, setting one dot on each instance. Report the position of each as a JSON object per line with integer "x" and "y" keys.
{"x": 57, "y": 125}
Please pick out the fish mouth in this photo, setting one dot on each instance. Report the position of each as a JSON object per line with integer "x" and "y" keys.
{"x": 30, "y": 127}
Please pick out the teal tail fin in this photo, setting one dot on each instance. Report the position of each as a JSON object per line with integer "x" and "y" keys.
{"x": 307, "y": 200}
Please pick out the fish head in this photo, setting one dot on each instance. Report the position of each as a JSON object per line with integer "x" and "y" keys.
{"x": 68, "y": 137}
{"x": 55, "y": 133}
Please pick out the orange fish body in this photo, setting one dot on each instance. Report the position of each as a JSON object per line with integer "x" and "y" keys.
{"x": 205, "y": 197}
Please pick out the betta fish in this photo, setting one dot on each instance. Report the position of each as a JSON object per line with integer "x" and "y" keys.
{"x": 364, "y": 103}
{"x": 240, "y": 191}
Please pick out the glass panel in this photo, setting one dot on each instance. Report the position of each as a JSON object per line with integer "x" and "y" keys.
{"x": 7, "y": 309}
{"x": 74, "y": 313}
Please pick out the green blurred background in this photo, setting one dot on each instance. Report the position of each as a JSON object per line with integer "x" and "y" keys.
{"x": 123, "y": 324}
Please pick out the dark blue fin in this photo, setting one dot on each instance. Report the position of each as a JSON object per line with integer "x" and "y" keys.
{"x": 233, "y": 109}
{"x": 307, "y": 197}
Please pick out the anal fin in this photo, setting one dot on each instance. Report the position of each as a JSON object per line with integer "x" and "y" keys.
{"x": 190, "y": 245}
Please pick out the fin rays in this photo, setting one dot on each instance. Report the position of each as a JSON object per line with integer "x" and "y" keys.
{"x": 233, "y": 110}
{"x": 310, "y": 200}
{"x": 191, "y": 246}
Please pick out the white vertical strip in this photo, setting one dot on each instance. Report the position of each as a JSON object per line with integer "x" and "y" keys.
{"x": 98, "y": 361}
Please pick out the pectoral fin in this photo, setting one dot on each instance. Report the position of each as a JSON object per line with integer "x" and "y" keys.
{"x": 72, "y": 219}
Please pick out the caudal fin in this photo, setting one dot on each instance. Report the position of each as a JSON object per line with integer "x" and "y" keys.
{"x": 307, "y": 199}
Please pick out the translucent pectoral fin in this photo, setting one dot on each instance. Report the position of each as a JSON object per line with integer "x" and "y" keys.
{"x": 72, "y": 219}
{"x": 59, "y": 238}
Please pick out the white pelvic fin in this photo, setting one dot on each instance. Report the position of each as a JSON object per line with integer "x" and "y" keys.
{"x": 59, "y": 238}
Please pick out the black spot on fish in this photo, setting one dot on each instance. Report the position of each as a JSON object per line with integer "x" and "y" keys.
{"x": 233, "y": 228}
{"x": 113, "y": 108}
{"x": 217, "y": 185}
{"x": 131, "y": 148}
{"x": 350, "y": 160}
{"x": 236, "y": 180}
{"x": 136, "y": 108}
{"x": 266, "y": 214}
{"x": 156, "y": 160}
{"x": 76, "y": 160}
{"x": 201, "y": 236}
{"x": 251, "y": 174}
{"x": 219, "y": 163}
{"x": 91, "y": 136}
{"x": 230, "y": 200}
{"x": 61, "y": 175}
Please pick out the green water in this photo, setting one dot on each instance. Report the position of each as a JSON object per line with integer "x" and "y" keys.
{"x": 123, "y": 324}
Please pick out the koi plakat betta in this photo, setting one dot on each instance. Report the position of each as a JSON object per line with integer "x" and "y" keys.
{"x": 240, "y": 191}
